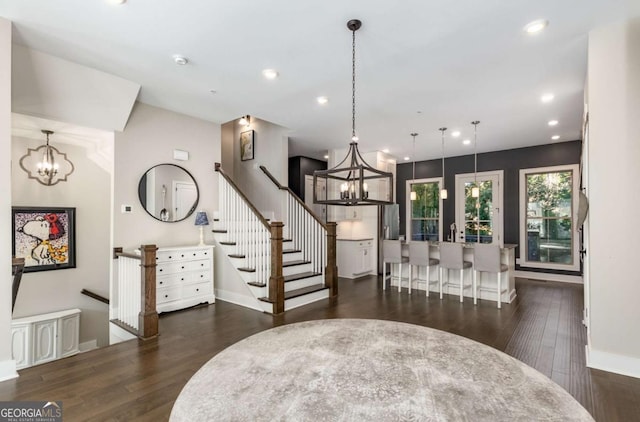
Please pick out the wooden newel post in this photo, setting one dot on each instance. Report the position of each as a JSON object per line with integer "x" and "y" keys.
{"x": 276, "y": 280}
{"x": 331, "y": 272}
{"x": 148, "y": 316}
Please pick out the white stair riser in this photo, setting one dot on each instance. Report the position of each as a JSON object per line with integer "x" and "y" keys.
{"x": 294, "y": 256}
{"x": 304, "y": 282}
{"x": 297, "y": 269}
{"x": 305, "y": 299}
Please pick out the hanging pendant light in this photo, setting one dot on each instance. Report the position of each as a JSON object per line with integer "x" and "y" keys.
{"x": 46, "y": 164}
{"x": 353, "y": 181}
{"x": 414, "y": 195}
{"x": 443, "y": 191}
{"x": 475, "y": 191}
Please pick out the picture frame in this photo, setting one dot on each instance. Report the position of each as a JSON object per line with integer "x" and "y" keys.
{"x": 246, "y": 145}
{"x": 44, "y": 237}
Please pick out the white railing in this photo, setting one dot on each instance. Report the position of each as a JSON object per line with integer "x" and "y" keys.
{"x": 307, "y": 233}
{"x": 128, "y": 290}
{"x": 248, "y": 229}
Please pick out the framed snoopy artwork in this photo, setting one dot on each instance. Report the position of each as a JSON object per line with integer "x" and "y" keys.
{"x": 44, "y": 237}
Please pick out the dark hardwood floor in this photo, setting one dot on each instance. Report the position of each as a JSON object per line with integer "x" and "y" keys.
{"x": 138, "y": 380}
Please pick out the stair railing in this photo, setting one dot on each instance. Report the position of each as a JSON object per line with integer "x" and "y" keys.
{"x": 308, "y": 233}
{"x": 255, "y": 238}
{"x": 134, "y": 292}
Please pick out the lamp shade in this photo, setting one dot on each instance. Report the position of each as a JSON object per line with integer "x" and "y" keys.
{"x": 201, "y": 219}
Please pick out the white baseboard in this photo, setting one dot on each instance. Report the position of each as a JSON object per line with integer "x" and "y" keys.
{"x": 88, "y": 345}
{"x": 236, "y": 299}
{"x": 534, "y": 275}
{"x": 610, "y": 362}
{"x": 8, "y": 370}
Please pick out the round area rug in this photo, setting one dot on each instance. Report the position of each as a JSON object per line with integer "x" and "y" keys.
{"x": 369, "y": 370}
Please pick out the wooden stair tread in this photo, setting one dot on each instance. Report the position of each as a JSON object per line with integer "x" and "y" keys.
{"x": 228, "y": 243}
{"x": 298, "y": 292}
{"x": 247, "y": 269}
{"x": 291, "y": 251}
{"x": 304, "y": 291}
{"x": 300, "y": 276}
{"x": 287, "y": 240}
{"x": 256, "y": 284}
{"x": 218, "y": 231}
{"x": 294, "y": 263}
{"x": 233, "y": 255}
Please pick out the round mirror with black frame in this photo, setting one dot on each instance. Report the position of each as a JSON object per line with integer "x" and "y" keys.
{"x": 168, "y": 193}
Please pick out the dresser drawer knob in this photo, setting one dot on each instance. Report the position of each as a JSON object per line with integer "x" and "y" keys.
{"x": 182, "y": 267}
{"x": 166, "y": 295}
{"x": 160, "y": 270}
{"x": 161, "y": 282}
{"x": 197, "y": 290}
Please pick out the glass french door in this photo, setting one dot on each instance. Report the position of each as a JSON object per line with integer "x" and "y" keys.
{"x": 479, "y": 220}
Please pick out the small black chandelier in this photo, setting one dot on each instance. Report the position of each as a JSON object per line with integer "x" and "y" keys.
{"x": 353, "y": 181}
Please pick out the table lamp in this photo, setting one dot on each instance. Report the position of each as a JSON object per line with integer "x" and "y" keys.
{"x": 201, "y": 221}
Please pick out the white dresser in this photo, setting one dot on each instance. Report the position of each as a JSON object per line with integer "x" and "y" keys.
{"x": 42, "y": 338}
{"x": 184, "y": 277}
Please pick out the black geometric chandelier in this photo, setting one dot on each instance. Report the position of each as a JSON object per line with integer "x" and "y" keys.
{"x": 353, "y": 181}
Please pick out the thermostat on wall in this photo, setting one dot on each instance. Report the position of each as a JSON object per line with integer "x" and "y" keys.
{"x": 180, "y": 155}
{"x": 126, "y": 209}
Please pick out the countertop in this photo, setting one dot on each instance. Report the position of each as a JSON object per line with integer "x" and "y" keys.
{"x": 354, "y": 240}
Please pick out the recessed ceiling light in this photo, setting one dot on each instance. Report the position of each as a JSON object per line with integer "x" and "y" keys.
{"x": 386, "y": 150}
{"x": 455, "y": 133}
{"x": 270, "y": 73}
{"x": 326, "y": 156}
{"x": 180, "y": 60}
{"x": 213, "y": 91}
{"x": 535, "y": 26}
{"x": 553, "y": 122}
{"x": 407, "y": 158}
{"x": 547, "y": 98}
{"x": 555, "y": 137}
{"x": 467, "y": 142}
{"x": 322, "y": 100}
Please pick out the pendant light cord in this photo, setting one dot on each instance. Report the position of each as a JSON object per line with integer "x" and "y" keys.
{"x": 442, "y": 130}
{"x": 475, "y": 151}
{"x": 414, "y": 155}
{"x": 353, "y": 85}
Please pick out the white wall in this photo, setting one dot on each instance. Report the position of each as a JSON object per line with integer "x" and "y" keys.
{"x": 271, "y": 146}
{"x": 87, "y": 189}
{"x": 7, "y": 365}
{"x": 149, "y": 139}
{"x": 51, "y": 87}
{"x": 612, "y": 188}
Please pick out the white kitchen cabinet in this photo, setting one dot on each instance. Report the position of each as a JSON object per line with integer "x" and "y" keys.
{"x": 184, "y": 277}
{"x": 354, "y": 257}
{"x": 42, "y": 338}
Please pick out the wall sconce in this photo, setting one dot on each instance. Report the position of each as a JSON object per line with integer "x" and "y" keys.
{"x": 245, "y": 120}
{"x": 46, "y": 164}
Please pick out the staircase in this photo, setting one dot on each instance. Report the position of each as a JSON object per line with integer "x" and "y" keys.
{"x": 284, "y": 264}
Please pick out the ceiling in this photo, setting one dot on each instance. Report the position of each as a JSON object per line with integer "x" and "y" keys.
{"x": 420, "y": 65}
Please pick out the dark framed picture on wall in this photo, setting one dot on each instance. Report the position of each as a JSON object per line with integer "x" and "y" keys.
{"x": 246, "y": 145}
{"x": 44, "y": 237}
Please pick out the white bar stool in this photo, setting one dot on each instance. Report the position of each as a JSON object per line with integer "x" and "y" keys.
{"x": 452, "y": 258}
{"x": 419, "y": 257}
{"x": 392, "y": 254}
{"x": 486, "y": 258}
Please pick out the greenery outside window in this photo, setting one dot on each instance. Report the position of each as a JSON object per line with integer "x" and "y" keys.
{"x": 548, "y": 237}
{"x": 424, "y": 213}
